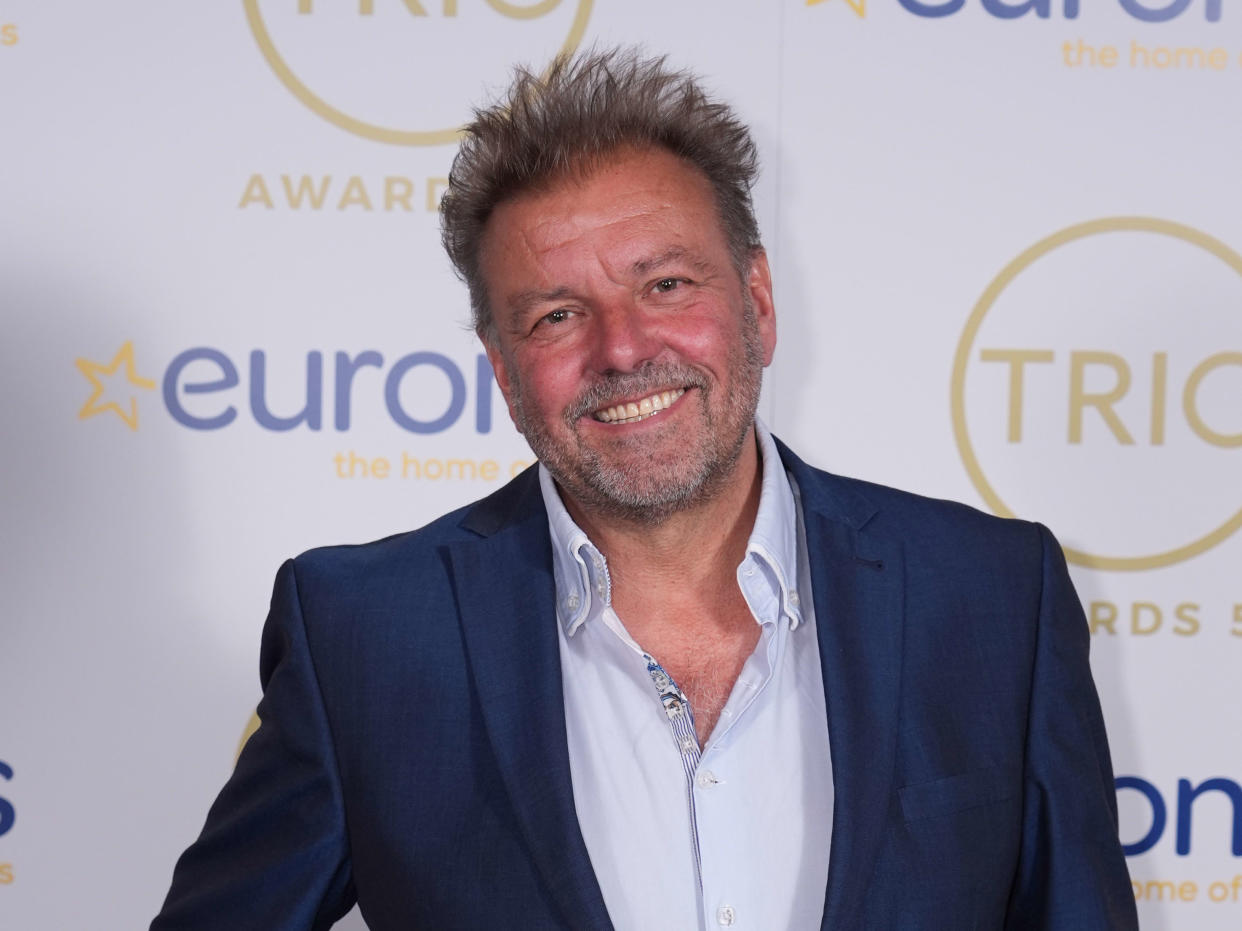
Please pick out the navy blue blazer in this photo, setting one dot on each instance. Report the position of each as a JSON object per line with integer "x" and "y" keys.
{"x": 412, "y": 755}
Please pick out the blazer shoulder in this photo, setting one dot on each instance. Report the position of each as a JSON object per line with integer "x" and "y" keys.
{"x": 919, "y": 521}
{"x": 413, "y": 553}
{"x": 938, "y": 514}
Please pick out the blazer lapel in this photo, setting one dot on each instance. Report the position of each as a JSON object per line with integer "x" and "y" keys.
{"x": 506, "y": 595}
{"x": 857, "y": 581}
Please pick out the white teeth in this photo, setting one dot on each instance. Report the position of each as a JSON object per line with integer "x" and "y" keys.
{"x": 632, "y": 411}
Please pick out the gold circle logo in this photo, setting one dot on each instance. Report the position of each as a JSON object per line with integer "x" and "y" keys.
{"x": 1017, "y": 358}
{"x": 251, "y": 726}
{"x": 412, "y": 11}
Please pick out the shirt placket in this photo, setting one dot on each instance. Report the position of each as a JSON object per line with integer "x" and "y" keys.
{"x": 681, "y": 722}
{"x": 726, "y": 899}
{"x": 680, "y": 716}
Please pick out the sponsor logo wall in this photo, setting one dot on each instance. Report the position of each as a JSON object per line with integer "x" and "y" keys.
{"x": 1008, "y": 249}
{"x": 995, "y": 198}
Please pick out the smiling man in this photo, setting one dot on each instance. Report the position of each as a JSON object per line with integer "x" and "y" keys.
{"x": 629, "y": 345}
{"x": 672, "y": 676}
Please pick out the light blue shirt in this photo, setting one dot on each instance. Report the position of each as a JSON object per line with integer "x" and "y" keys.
{"x": 735, "y": 834}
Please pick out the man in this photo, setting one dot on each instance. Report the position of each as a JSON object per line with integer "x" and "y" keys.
{"x": 674, "y": 677}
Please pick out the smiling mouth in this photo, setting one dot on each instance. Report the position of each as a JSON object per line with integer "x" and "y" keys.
{"x": 634, "y": 411}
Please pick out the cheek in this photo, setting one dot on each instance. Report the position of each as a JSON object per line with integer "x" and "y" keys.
{"x": 548, "y": 385}
{"x": 706, "y": 340}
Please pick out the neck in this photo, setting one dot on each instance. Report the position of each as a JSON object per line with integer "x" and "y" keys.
{"x": 674, "y": 585}
{"x": 695, "y": 549}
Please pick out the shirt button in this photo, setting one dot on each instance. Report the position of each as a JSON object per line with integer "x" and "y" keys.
{"x": 706, "y": 779}
{"x": 725, "y": 915}
{"x": 793, "y": 599}
{"x": 573, "y": 602}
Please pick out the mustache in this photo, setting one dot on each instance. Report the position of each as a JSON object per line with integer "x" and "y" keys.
{"x": 609, "y": 389}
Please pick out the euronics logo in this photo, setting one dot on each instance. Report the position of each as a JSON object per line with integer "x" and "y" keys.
{"x": 1148, "y": 11}
{"x": 8, "y": 816}
{"x": 858, "y": 6}
{"x": 204, "y": 388}
{"x": 1152, "y": 808}
{"x": 105, "y": 376}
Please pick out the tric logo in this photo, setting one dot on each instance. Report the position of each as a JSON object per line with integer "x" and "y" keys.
{"x": 1098, "y": 376}
{"x": 109, "y": 386}
{"x": 404, "y": 72}
{"x": 858, "y": 6}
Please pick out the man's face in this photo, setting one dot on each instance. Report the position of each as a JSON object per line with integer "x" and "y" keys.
{"x": 627, "y": 346}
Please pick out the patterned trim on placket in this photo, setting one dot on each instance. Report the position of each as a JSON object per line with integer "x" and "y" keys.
{"x": 681, "y": 719}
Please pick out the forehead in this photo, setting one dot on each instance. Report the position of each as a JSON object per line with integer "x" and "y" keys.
{"x": 627, "y": 205}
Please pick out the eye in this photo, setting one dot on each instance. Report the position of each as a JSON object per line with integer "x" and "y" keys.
{"x": 664, "y": 285}
{"x": 555, "y": 317}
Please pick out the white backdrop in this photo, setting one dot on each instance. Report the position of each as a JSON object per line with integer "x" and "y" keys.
{"x": 1005, "y": 234}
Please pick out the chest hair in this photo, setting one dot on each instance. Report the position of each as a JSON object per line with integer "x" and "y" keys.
{"x": 707, "y": 671}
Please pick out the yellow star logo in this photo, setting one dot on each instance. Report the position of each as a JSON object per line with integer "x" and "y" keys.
{"x": 93, "y": 371}
{"x": 858, "y": 6}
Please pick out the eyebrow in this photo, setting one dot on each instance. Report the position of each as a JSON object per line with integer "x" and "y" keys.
{"x": 672, "y": 254}
{"x": 525, "y": 300}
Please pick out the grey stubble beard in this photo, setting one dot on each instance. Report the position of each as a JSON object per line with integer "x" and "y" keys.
{"x": 651, "y": 491}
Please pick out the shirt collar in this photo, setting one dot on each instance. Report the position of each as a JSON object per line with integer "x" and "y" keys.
{"x": 577, "y": 565}
{"x": 584, "y": 587}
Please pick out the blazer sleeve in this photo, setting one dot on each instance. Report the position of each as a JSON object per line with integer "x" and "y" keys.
{"x": 1071, "y": 871}
{"x": 273, "y": 854}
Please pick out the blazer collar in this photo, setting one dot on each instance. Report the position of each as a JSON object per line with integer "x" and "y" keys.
{"x": 857, "y": 582}
{"x": 505, "y": 592}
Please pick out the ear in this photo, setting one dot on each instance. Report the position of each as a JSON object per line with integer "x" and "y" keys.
{"x": 497, "y": 358}
{"x": 759, "y": 286}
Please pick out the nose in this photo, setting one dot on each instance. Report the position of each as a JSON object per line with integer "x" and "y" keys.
{"x": 624, "y": 338}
